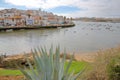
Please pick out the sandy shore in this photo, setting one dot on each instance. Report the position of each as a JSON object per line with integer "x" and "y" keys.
{"x": 89, "y": 57}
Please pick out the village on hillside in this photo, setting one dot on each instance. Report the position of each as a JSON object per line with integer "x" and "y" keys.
{"x": 19, "y": 18}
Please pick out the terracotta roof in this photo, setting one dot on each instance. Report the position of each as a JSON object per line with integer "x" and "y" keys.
{"x": 1, "y": 18}
{"x": 17, "y": 17}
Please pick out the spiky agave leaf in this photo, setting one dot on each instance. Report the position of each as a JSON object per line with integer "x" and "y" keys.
{"x": 49, "y": 67}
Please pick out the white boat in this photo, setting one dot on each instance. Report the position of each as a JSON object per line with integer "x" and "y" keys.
{"x": 9, "y": 30}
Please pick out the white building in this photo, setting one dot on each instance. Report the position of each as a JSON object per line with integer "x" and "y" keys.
{"x": 15, "y": 17}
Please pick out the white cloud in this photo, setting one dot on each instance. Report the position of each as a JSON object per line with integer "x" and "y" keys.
{"x": 45, "y": 4}
{"x": 1, "y": 8}
{"x": 99, "y": 8}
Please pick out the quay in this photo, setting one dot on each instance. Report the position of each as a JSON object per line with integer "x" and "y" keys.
{"x": 13, "y": 28}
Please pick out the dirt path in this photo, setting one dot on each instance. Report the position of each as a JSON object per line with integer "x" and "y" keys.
{"x": 11, "y": 77}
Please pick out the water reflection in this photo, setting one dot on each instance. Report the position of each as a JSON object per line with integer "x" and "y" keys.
{"x": 84, "y": 37}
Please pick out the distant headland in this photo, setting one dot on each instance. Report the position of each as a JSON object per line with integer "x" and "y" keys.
{"x": 95, "y": 19}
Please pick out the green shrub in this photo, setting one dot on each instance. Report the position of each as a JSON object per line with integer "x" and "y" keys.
{"x": 114, "y": 69}
{"x": 106, "y": 66}
{"x": 49, "y": 66}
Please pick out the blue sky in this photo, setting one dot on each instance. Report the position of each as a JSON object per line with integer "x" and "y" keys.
{"x": 64, "y": 9}
{"x": 3, "y": 5}
{"x": 69, "y": 8}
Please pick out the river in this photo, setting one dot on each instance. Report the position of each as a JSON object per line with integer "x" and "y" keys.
{"x": 85, "y": 37}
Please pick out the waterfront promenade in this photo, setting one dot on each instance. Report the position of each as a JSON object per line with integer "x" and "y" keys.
{"x": 34, "y": 27}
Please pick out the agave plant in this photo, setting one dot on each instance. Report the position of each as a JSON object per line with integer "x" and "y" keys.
{"x": 49, "y": 66}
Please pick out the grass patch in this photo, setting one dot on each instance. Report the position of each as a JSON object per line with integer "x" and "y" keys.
{"x": 6, "y": 72}
{"x": 76, "y": 66}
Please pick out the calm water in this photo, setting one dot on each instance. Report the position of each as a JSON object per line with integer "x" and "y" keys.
{"x": 84, "y": 37}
